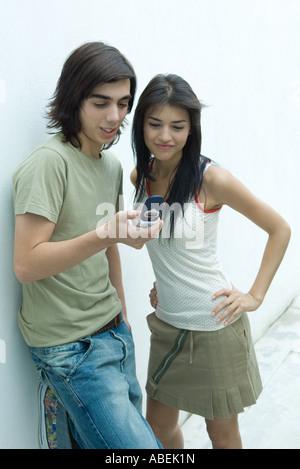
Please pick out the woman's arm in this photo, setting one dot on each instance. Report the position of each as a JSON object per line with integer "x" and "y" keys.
{"x": 225, "y": 189}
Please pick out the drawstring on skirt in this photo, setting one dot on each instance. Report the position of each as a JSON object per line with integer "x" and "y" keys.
{"x": 191, "y": 347}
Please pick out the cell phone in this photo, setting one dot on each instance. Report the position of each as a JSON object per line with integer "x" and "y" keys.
{"x": 151, "y": 210}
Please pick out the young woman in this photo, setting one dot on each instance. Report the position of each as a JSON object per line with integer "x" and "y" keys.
{"x": 202, "y": 358}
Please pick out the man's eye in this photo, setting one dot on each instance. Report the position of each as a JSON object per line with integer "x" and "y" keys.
{"x": 99, "y": 104}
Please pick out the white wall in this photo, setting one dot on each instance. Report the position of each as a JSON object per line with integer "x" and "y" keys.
{"x": 242, "y": 59}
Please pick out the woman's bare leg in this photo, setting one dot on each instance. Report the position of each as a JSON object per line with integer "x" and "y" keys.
{"x": 224, "y": 433}
{"x": 163, "y": 420}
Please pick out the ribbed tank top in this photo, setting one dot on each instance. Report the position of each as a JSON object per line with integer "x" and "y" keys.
{"x": 187, "y": 269}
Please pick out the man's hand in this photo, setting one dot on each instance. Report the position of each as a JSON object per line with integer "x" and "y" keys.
{"x": 121, "y": 230}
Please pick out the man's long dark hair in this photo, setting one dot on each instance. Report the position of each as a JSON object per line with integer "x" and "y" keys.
{"x": 175, "y": 91}
{"x": 90, "y": 65}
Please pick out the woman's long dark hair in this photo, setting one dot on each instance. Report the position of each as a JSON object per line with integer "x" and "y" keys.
{"x": 90, "y": 65}
{"x": 175, "y": 91}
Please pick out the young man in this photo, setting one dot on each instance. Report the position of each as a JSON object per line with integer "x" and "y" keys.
{"x": 67, "y": 257}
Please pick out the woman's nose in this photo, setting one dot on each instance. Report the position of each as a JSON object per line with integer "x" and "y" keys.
{"x": 165, "y": 134}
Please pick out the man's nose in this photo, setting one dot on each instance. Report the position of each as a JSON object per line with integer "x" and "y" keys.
{"x": 113, "y": 114}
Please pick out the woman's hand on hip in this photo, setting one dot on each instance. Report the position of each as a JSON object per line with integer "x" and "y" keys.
{"x": 235, "y": 303}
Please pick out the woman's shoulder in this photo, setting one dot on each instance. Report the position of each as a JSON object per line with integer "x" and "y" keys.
{"x": 216, "y": 175}
{"x": 217, "y": 181}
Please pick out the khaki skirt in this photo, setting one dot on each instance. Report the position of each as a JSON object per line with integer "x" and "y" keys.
{"x": 212, "y": 374}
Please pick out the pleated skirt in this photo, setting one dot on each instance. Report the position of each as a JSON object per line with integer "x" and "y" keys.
{"x": 212, "y": 374}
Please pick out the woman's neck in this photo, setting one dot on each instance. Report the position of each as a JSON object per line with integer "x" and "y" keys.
{"x": 164, "y": 170}
{"x": 163, "y": 173}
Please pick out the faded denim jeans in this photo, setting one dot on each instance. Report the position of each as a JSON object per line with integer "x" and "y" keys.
{"x": 95, "y": 381}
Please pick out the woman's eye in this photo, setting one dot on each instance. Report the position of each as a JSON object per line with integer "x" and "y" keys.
{"x": 174, "y": 127}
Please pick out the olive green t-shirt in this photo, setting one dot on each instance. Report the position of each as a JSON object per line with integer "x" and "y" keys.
{"x": 73, "y": 190}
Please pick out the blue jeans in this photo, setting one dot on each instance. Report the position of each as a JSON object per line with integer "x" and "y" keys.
{"x": 95, "y": 381}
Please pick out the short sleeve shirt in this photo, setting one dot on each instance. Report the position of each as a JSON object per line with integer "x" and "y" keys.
{"x": 76, "y": 192}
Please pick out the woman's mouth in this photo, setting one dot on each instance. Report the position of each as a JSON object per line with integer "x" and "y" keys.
{"x": 164, "y": 147}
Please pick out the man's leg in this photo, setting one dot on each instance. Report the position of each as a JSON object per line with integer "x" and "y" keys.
{"x": 96, "y": 383}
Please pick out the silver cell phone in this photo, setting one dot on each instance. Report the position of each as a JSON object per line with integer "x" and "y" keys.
{"x": 151, "y": 211}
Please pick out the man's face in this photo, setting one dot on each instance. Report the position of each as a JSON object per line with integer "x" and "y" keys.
{"x": 102, "y": 114}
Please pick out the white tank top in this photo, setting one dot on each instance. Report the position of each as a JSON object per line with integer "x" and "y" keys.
{"x": 188, "y": 270}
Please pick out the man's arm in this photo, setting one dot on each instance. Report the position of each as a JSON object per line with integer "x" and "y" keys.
{"x": 36, "y": 257}
{"x": 115, "y": 276}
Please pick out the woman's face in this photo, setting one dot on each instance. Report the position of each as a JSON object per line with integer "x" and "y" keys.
{"x": 166, "y": 129}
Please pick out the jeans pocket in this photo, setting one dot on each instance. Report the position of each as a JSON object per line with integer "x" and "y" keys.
{"x": 63, "y": 360}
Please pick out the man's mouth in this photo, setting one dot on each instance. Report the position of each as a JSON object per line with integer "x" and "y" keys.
{"x": 108, "y": 132}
